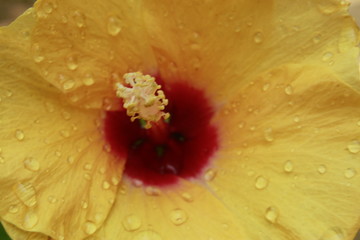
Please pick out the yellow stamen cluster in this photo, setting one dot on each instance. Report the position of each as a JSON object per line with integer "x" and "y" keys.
{"x": 144, "y": 99}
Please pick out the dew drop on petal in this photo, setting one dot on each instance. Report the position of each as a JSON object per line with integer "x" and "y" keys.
{"x": 327, "y": 56}
{"x": 266, "y": 87}
{"x": 296, "y": 119}
{"x": 152, "y": 191}
{"x": 31, "y": 164}
{"x": 268, "y": 134}
{"x": 13, "y": 209}
{"x": 147, "y": 235}
{"x": 26, "y": 193}
{"x": 209, "y": 175}
{"x": 258, "y": 37}
{"x": 131, "y": 223}
{"x": 178, "y": 216}
{"x": 333, "y": 233}
{"x": 288, "y": 90}
{"x": 70, "y": 159}
{"x": 187, "y": 197}
{"x": 271, "y": 214}
{"x": 36, "y": 53}
{"x": 52, "y": 199}
{"x": 71, "y": 63}
{"x": 114, "y": 25}
{"x": 19, "y": 134}
{"x": 350, "y": 173}
{"x": 322, "y": 169}
{"x": 69, "y": 84}
{"x": 79, "y": 19}
{"x": 84, "y": 204}
{"x": 88, "y": 80}
{"x": 354, "y": 146}
{"x": 288, "y": 166}
{"x": 261, "y": 182}
{"x": 89, "y": 227}
{"x": 30, "y": 220}
{"x": 106, "y": 185}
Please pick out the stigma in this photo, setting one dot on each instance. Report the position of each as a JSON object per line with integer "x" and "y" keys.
{"x": 143, "y": 99}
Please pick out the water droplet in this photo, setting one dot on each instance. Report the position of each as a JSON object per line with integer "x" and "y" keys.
{"x": 147, "y": 235}
{"x": 187, "y": 197}
{"x": 266, "y": 87}
{"x": 19, "y": 134}
{"x": 88, "y": 80}
{"x": 209, "y": 175}
{"x": 152, "y": 191}
{"x": 258, "y": 37}
{"x": 70, "y": 159}
{"x": 178, "y": 216}
{"x": 26, "y": 193}
{"x": 69, "y": 84}
{"x": 322, "y": 169}
{"x": 296, "y": 119}
{"x": 107, "y": 148}
{"x": 350, "y": 173}
{"x": 327, "y": 56}
{"x": 79, "y": 19}
{"x": 114, "y": 25}
{"x": 52, "y": 199}
{"x": 271, "y": 214}
{"x": 30, "y": 220}
{"x": 288, "y": 166}
{"x": 71, "y": 63}
{"x": 268, "y": 134}
{"x": 261, "y": 182}
{"x": 2, "y": 159}
{"x": 36, "y": 52}
{"x": 131, "y": 223}
{"x": 87, "y": 166}
{"x": 106, "y": 185}
{"x": 288, "y": 90}
{"x": 334, "y": 233}
{"x": 354, "y": 146}
{"x": 115, "y": 181}
{"x": 89, "y": 227}
{"x": 31, "y": 164}
{"x": 84, "y": 204}
{"x": 48, "y": 7}
{"x": 13, "y": 209}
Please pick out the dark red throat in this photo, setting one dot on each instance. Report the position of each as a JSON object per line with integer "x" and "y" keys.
{"x": 178, "y": 147}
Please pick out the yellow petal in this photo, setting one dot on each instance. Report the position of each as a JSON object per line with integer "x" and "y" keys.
{"x": 17, "y": 234}
{"x": 218, "y": 45}
{"x": 289, "y": 159}
{"x": 55, "y": 172}
{"x": 86, "y": 46}
{"x": 187, "y": 211}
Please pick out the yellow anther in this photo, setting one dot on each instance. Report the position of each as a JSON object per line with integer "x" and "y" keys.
{"x": 143, "y": 99}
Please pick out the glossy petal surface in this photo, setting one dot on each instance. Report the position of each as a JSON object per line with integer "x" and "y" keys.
{"x": 53, "y": 160}
{"x": 87, "y": 46}
{"x": 188, "y": 211}
{"x": 289, "y": 162}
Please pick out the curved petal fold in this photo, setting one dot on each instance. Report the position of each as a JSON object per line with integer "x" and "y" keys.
{"x": 289, "y": 161}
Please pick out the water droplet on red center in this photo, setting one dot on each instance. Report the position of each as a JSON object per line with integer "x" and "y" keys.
{"x": 180, "y": 147}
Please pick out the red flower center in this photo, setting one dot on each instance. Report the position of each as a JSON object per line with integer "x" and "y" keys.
{"x": 179, "y": 147}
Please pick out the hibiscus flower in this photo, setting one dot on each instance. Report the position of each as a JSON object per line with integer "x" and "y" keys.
{"x": 262, "y": 139}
